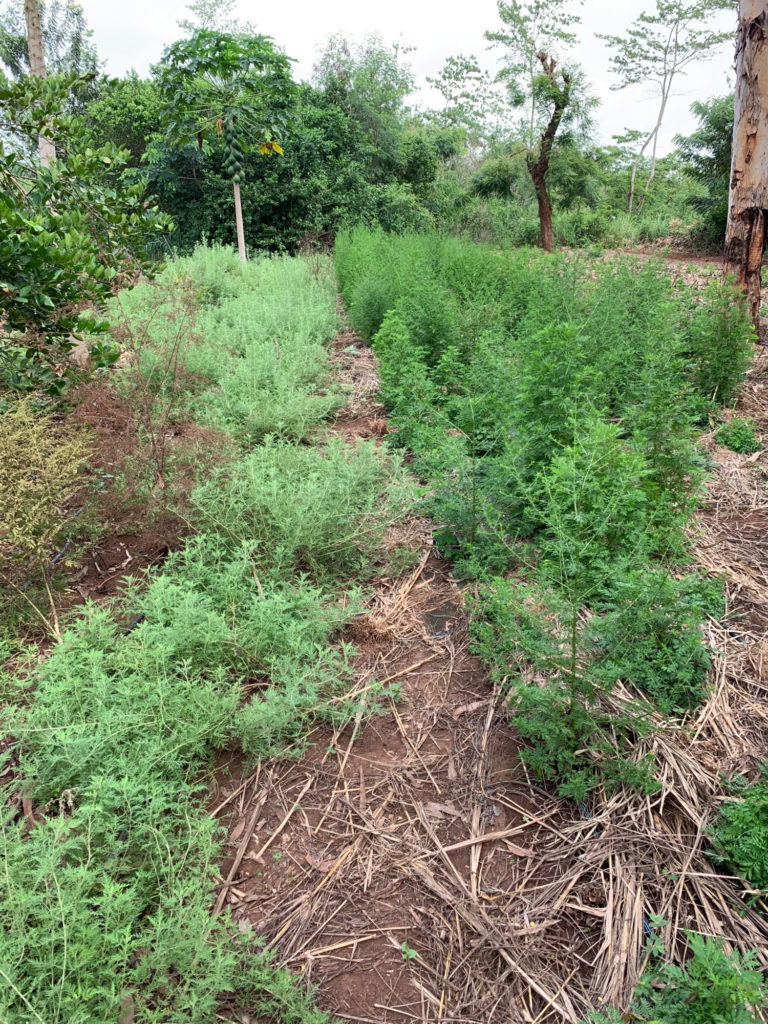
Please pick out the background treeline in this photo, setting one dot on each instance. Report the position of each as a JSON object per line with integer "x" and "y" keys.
{"x": 356, "y": 151}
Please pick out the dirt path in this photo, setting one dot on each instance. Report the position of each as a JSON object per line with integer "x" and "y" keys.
{"x": 383, "y": 865}
{"x": 408, "y": 866}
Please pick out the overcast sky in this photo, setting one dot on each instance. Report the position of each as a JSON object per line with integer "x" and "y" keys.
{"x": 132, "y": 34}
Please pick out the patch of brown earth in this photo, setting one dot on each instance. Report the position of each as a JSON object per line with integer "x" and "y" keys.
{"x": 132, "y": 514}
{"x": 383, "y": 865}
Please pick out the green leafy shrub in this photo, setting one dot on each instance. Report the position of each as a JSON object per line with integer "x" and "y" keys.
{"x": 718, "y": 339}
{"x": 651, "y": 636}
{"x": 398, "y": 209}
{"x": 300, "y": 508}
{"x": 109, "y": 892}
{"x": 401, "y": 365}
{"x": 538, "y": 645}
{"x": 740, "y": 435}
{"x": 739, "y": 834}
{"x": 552, "y": 403}
{"x": 279, "y": 326}
{"x": 432, "y": 320}
{"x": 233, "y": 644}
{"x": 66, "y": 227}
{"x": 594, "y": 511}
{"x": 252, "y": 363}
{"x": 712, "y": 987}
{"x": 707, "y": 156}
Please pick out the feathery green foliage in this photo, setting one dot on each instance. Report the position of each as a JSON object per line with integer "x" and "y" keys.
{"x": 739, "y": 833}
{"x": 740, "y": 435}
{"x": 107, "y": 898}
{"x": 552, "y": 403}
{"x": 712, "y": 987}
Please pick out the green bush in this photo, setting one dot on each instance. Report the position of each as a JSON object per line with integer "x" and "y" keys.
{"x": 739, "y": 834}
{"x": 543, "y": 653}
{"x": 552, "y": 403}
{"x": 108, "y": 896}
{"x": 651, "y": 637}
{"x": 67, "y": 230}
{"x": 257, "y": 359}
{"x": 712, "y": 987}
{"x": 740, "y": 435}
{"x": 594, "y": 511}
{"x": 109, "y": 892}
{"x": 398, "y": 209}
{"x": 297, "y": 509}
{"x": 718, "y": 340}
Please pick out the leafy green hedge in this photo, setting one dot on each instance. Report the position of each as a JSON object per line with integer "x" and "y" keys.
{"x": 553, "y": 403}
{"x": 106, "y": 900}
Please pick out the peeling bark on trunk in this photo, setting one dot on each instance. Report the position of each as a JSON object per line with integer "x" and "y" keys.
{"x": 45, "y": 147}
{"x": 745, "y": 236}
{"x": 239, "y": 222}
{"x": 538, "y": 168}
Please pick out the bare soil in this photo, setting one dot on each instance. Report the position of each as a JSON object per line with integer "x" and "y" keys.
{"x": 349, "y": 862}
{"x": 133, "y": 521}
{"x": 384, "y": 865}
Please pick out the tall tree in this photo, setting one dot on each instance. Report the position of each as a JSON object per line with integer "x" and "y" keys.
{"x": 533, "y": 32}
{"x": 234, "y": 86}
{"x": 748, "y": 203}
{"x": 216, "y": 15}
{"x": 45, "y": 147}
{"x": 657, "y": 48}
{"x": 66, "y": 39}
{"x": 370, "y": 82}
{"x": 706, "y": 155}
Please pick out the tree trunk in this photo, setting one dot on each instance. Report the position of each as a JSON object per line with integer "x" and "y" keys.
{"x": 239, "y": 222}
{"x": 745, "y": 236}
{"x": 655, "y": 136}
{"x": 45, "y": 147}
{"x": 545, "y": 210}
{"x": 538, "y": 168}
{"x": 635, "y": 167}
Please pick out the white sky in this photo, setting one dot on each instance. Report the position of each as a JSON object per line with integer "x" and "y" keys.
{"x": 132, "y": 34}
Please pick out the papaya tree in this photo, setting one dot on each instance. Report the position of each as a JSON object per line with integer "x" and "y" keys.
{"x": 230, "y": 90}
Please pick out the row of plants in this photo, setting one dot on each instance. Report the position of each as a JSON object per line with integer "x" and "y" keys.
{"x": 109, "y": 853}
{"x": 552, "y": 405}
